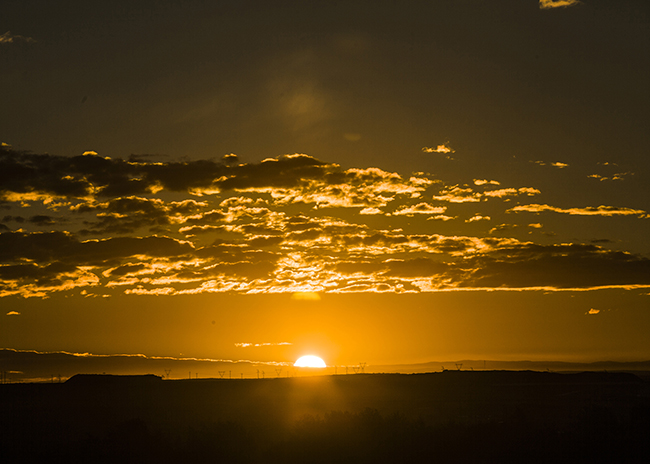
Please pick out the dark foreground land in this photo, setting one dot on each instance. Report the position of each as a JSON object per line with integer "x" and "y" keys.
{"x": 448, "y": 417}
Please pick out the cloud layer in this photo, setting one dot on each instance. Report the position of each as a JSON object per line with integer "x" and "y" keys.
{"x": 93, "y": 225}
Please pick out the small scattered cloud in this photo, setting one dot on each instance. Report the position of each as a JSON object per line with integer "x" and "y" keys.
{"x": 549, "y": 4}
{"x": 230, "y": 158}
{"x": 536, "y": 225}
{"x": 555, "y": 164}
{"x": 593, "y": 311}
{"x": 257, "y": 345}
{"x": 420, "y": 208}
{"x": 485, "y": 181}
{"x": 503, "y": 228}
{"x": 458, "y": 194}
{"x": 369, "y": 211}
{"x": 13, "y": 313}
{"x": 616, "y": 176}
{"x": 506, "y": 192}
{"x": 438, "y": 149}
{"x": 601, "y": 240}
{"x": 443, "y": 149}
{"x": 588, "y": 211}
{"x": 441, "y": 217}
{"x": 478, "y": 217}
{"x": 8, "y": 38}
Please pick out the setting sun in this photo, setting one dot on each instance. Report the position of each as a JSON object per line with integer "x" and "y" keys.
{"x": 310, "y": 361}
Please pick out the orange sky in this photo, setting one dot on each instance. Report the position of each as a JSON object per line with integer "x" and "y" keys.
{"x": 364, "y": 182}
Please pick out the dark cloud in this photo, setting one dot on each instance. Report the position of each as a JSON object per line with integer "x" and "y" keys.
{"x": 563, "y": 266}
{"x": 199, "y": 230}
{"x": 40, "y": 274}
{"x": 415, "y": 267}
{"x": 127, "y": 214}
{"x": 360, "y": 267}
{"x": 42, "y": 220}
{"x": 206, "y": 218}
{"x": 61, "y": 246}
{"x": 284, "y": 171}
{"x": 9, "y": 38}
{"x": 259, "y": 242}
{"x": 90, "y": 175}
{"x": 18, "y": 219}
{"x": 125, "y": 269}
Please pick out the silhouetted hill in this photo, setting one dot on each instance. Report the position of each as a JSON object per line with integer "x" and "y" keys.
{"x": 112, "y": 381}
{"x": 456, "y": 416}
{"x": 32, "y": 366}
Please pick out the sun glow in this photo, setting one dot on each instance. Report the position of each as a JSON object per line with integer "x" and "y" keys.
{"x": 310, "y": 361}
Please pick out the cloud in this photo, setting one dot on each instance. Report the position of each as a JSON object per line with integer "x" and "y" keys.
{"x": 13, "y": 313}
{"x": 64, "y": 247}
{"x": 157, "y": 291}
{"x": 321, "y": 263}
{"x": 291, "y": 224}
{"x": 556, "y": 164}
{"x": 458, "y": 194}
{"x": 420, "y": 208}
{"x": 548, "y": 4}
{"x": 441, "y": 217}
{"x": 42, "y": 220}
{"x": 125, "y": 215}
{"x": 478, "y": 217}
{"x": 569, "y": 266}
{"x": 588, "y": 211}
{"x": 616, "y": 176}
{"x": 511, "y": 192}
{"x": 8, "y": 38}
{"x": 370, "y": 211}
{"x": 503, "y": 228}
{"x": 593, "y": 311}
{"x": 288, "y": 179}
{"x": 485, "y": 181}
{"x": 35, "y": 264}
{"x": 257, "y": 345}
{"x": 443, "y": 149}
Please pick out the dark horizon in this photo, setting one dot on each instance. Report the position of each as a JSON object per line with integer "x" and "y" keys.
{"x": 30, "y": 366}
{"x": 458, "y": 416}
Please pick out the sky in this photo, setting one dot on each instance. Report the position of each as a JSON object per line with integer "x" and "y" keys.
{"x": 366, "y": 181}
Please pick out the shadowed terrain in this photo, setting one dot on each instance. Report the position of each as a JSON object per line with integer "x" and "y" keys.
{"x": 453, "y": 416}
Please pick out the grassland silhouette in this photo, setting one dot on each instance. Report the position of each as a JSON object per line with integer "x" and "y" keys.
{"x": 453, "y": 416}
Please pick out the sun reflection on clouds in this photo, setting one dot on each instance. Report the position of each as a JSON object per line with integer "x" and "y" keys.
{"x": 266, "y": 232}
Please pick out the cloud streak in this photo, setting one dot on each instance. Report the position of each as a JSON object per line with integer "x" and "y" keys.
{"x": 588, "y": 211}
{"x": 549, "y": 4}
{"x": 9, "y": 38}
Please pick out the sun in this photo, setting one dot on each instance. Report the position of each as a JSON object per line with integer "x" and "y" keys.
{"x": 310, "y": 361}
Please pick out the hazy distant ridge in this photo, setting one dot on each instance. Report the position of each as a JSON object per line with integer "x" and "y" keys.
{"x": 21, "y": 366}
